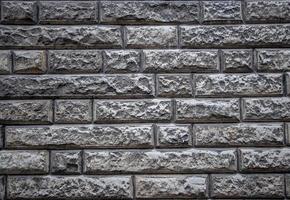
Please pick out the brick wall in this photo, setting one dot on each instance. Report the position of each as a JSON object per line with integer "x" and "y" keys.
{"x": 145, "y": 99}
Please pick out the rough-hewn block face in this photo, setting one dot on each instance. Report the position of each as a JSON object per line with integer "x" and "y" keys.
{"x": 175, "y": 161}
{"x": 171, "y": 186}
{"x": 247, "y": 186}
{"x": 2, "y": 188}
{"x": 66, "y": 162}
{"x": 80, "y": 187}
{"x": 80, "y": 136}
{"x": 245, "y": 134}
{"x": 23, "y": 162}
{"x": 234, "y": 60}
{"x": 5, "y": 62}
{"x": 149, "y": 12}
{"x": 287, "y": 177}
{"x": 67, "y": 12}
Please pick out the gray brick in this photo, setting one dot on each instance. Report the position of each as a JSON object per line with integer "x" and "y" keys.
{"x": 244, "y": 134}
{"x": 75, "y": 187}
{"x": 237, "y": 60}
{"x": 75, "y": 61}
{"x": 25, "y": 111}
{"x": 29, "y": 62}
{"x": 79, "y": 136}
{"x": 120, "y": 61}
{"x": 248, "y": 186}
{"x": 287, "y": 177}
{"x": 174, "y": 85}
{"x": 66, "y": 162}
{"x": 149, "y": 12}
{"x": 125, "y": 85}
{"x": 60, "y": 36}
{"x": 150, "y": 36}
{"x": 153, "y": 161}
{"x": 207, "y": 110}
{"x": 235, "y": 36}
{"x": 236, "y": 85}
{"x": 171, "y": 186}
{"x": 19, "y": 12}
{"x": 23, "y": 162}
{"x": 67, "y": 12}
{"x": 73, "y": 111}
{"x": 267, "y": 11}
{"x": 153, "y": 110}
{"x": 265, "y": 160}
{"x": 222, "y": 11}
{"x": 5, "y": 62}
{"x": 2, "y": 188}
{"x": 181, "y": 61}
{"x": 1, "y": 140}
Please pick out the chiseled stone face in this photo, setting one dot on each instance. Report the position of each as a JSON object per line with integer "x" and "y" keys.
{"x": 67, "y": 187}
{"x": 237, "y": 60}
{"x": 5, "y": 62}
{"x": 66, "y": 162}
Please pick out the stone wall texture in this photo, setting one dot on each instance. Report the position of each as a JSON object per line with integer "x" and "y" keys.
{"x": 144, "y": 99}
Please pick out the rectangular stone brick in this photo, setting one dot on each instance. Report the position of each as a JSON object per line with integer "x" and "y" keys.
{"x": 181, "y": 61}
{"x": 265, "y": 160}
{"x": 75, "y": 187}
{"x": 153, "y": 110}
{"x": 236, "y": 85}
{"x": 75, "y": 61}
{"x": 247, "y": 186}
{"x": 171, "y": 186}
{"x": 23, "y": 162}
{"x": 1, "y": 139}
{"x": 153, "y": 161}
{"x": 78, "y": 86}
{"x": 79, "y": 136}
{"x": 5, "y": 62}
{"x": 66, "y": 162}
{"x": 237, "y": 60}
{"x": 60, "y": 37}
{"x": 149, "y": 12}
{"x": 287, "y": 177}
{"x": 25, "y": 111}
{"x": 234, "y": 36}
{"x": 150, "y": 36}
{"x": 67, "y": 12}
{"x": 2, "y": 188}
{"x": 244, "y": 134}
{"x": 207, "y": 110}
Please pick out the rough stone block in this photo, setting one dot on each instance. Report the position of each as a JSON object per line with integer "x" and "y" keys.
{"x": 66, "y": 162}
{"x": 5, "y": 62}
{"x": 287, "y": 177}
{"x": 237, "y": 60}
{"x": 2, "y": 188}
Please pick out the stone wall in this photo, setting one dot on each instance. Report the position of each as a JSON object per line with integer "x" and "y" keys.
{"x": 145, "y": 99}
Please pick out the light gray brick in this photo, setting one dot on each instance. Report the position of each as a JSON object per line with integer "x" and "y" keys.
{"x": 237, "y": 60}
{"x": 2, "y": 188}
{"x": 5, "y": 62}
{"x": 66, "y": 162}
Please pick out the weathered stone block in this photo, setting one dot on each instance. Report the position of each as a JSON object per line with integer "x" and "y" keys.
{"x": 175, "y": 161}
{"x": 1, "y": 143}
{"x": 234, "y": 60}
{"x": 245, "y": 134}
{"x": 5, "y": 62}
{"x": 2, "y": 188}
{"x": 79, "y": 136}
{"x": 23, "y": 162}
{"x": 150, "y": 36}
{"x": 247, "y": 186}
{"x": 287, "y": 177}
{"x": 207, "y": 110}
{"x": 66, "y": 162}
{"x": 235, "y": 85}
{"x": 153, "y": 110}
{"x": 25, "y": 111}
{"x": 69, "y": 187}
{"x": 171, "y": 186}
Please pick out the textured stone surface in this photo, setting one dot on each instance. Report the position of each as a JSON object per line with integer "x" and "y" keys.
{"x": 66, "y": 162}
{"x": 67, "y": 187}
{"x": 80, "y": 136}
{"x": 29, "y": 62}
{"x": 244, "y": 134}
{"x": 149, "y": 12}
{"x": 150, "y": 36}
{"x": 265, "y": 160}
{"x": 158, "y": 110}
{"x": 174, "y": 136}
{"x": 5, "y": 62}
{"x": 247, "y": 186}
{"x": 60, "y": 36}
{"x": 181, "y": 61}
{"x": 175, "y": 161}
{"x": 171, "y": 186}
{"x": 287, "y": 177}
{"x": 67, "y": 12}
{"x": 75, "y": 61}
{"x": 25, "y": 111}
{"x": 2, "y": 188}
{"x": 119, "y": 61}
{"x": 229, "y": 85}
{"x": 174, "y": 85}
{"x": 234, "y": 60}
{"x": 126, "y": 85}
{"x": 235, "y": 36}
{"x": 23, "y": 162}
{"x": 73, "y": 111}
{"x": 207, "y": 110}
